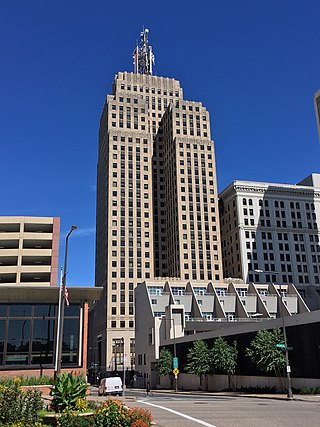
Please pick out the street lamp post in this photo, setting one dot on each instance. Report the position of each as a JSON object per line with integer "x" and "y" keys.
{"x": 124, "y": 371}
{"x": 62, "y": 296}
{"x": 288, "y": 369}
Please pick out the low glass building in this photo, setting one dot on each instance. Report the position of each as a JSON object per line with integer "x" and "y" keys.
{"x": 28, "y": 329}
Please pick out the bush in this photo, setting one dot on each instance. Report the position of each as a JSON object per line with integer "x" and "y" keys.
{"x": 17, "y": 406}
{"x": 310, "y": 390}
{"x": 258, "y": 390}
{"x": 70, "y": 419}
{"x": 139, "y": 417}
{"x": 68, "y": 391}
{"x": 113, "y": 413}
{"x": 9, "y": 382}
{"x": 20, "y": 424}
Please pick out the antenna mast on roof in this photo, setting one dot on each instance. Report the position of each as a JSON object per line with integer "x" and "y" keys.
{"x": 143, "y": 58}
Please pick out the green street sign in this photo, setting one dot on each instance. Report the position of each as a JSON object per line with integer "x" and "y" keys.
{"x": 175, "y": 362}
{"x": 280, "y": 346}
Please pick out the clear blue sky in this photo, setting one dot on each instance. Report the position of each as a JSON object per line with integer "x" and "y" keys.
{"x": 254, "y": 64}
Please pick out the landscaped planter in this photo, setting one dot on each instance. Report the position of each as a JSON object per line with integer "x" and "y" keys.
{"x": 50, "y": 419}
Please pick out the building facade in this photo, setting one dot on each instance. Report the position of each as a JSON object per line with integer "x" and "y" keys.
{"x": 29, "y": 250}
{"x": 172, "y": 312}
{"x": 270, "y": 233}
{"x": 28, "y": 329}
{"x": 157, "y": 211}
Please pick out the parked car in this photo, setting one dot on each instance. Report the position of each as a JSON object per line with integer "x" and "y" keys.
{"x": 110, "y": 386}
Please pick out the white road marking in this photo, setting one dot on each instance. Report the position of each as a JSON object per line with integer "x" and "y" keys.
{"x": 177, "y": 413}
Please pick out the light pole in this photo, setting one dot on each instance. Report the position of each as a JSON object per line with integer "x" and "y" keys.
{"x": 62, "y": 297}
{"x": 288, "y": 369}
{"x": 124, "y": 372}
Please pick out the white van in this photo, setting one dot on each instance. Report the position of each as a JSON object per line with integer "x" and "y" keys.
{"x": 111, "y": 385}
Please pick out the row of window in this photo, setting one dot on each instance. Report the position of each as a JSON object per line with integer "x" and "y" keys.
{"x": 122, "y": 324}
{"x": 146, "y": 89}
{"x": 129, "y": 140}
{"x": 279, "y": 204}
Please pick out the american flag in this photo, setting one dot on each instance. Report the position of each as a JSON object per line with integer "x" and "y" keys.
{"x": 66, "y": 296}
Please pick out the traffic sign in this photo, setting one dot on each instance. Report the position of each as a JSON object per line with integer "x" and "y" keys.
{"x": 175, "y": 372}
{"x": 175, "y": 363}
{"x": 283, "y": 346}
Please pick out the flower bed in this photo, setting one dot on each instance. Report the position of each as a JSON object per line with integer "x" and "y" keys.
{"x": 112, "y": 413}
{"x": 69, "y": 408}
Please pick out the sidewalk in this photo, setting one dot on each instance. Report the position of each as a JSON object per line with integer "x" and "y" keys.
{"x": 276, "y": 396}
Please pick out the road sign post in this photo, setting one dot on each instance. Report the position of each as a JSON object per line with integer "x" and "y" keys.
{"x": 175, "y": 362}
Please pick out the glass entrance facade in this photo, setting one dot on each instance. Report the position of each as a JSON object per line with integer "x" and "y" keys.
{"x": 28, "y": 331}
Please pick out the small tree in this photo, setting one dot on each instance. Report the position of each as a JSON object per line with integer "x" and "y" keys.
{"x": 264, "y": 353}
{"x": 223, "y": 358}
{"x": 198, "y": 359}
{"x": 164, "y": 364}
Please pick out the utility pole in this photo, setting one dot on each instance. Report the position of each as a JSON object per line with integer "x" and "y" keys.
{"x": 288, "y": 369}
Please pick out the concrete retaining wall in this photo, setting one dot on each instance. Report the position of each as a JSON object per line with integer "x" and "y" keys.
{"x": 220, "y": 382}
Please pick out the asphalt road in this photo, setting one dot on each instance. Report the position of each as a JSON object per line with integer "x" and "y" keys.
{"x": 224, "y": 411}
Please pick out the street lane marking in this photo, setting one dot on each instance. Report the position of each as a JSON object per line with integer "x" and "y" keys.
{"x": 178, "y": 413}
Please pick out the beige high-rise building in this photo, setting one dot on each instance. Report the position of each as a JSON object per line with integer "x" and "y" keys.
{"x": 157, "y": 205}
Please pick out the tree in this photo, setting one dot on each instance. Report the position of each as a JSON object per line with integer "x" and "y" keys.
{"x": 264, "y": 353}
{"x": 198, "y": 359}
{"x": 164, "y": 364}
{"x": 223, "y": 357}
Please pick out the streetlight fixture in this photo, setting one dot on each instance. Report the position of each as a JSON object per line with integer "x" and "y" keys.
{"x": 289, "y": 391}
{"x": 62, "y": 299}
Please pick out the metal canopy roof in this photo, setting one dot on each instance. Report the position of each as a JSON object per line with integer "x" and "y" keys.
{"x": 47, "y": 294}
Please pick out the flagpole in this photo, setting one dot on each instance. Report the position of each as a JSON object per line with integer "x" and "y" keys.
{"x": 62, "y": 296}
{"x": 58, "y": 325}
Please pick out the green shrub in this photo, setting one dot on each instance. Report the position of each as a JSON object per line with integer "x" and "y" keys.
{"x": 310, "y": 390}
{"x": 70, "y": 419}
{"x": 139, "y": 417}
{"x": 258, "y": 389}
{"x": 20, "y": 424}
{"x": 91, "y": 405}
{"x": 18, "y": 406}
{"x": 112, "y": 413}
{"x": 9, "y": 382}
{"x": 66, "y": 392}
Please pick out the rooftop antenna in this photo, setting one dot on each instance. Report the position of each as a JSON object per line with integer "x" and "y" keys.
{"x": 143, "y": 58}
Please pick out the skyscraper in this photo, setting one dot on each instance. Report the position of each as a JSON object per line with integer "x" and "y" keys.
{"x": 157, "y": 212}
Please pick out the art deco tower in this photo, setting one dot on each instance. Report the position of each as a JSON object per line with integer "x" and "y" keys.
{"x": 157, "y": 206}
